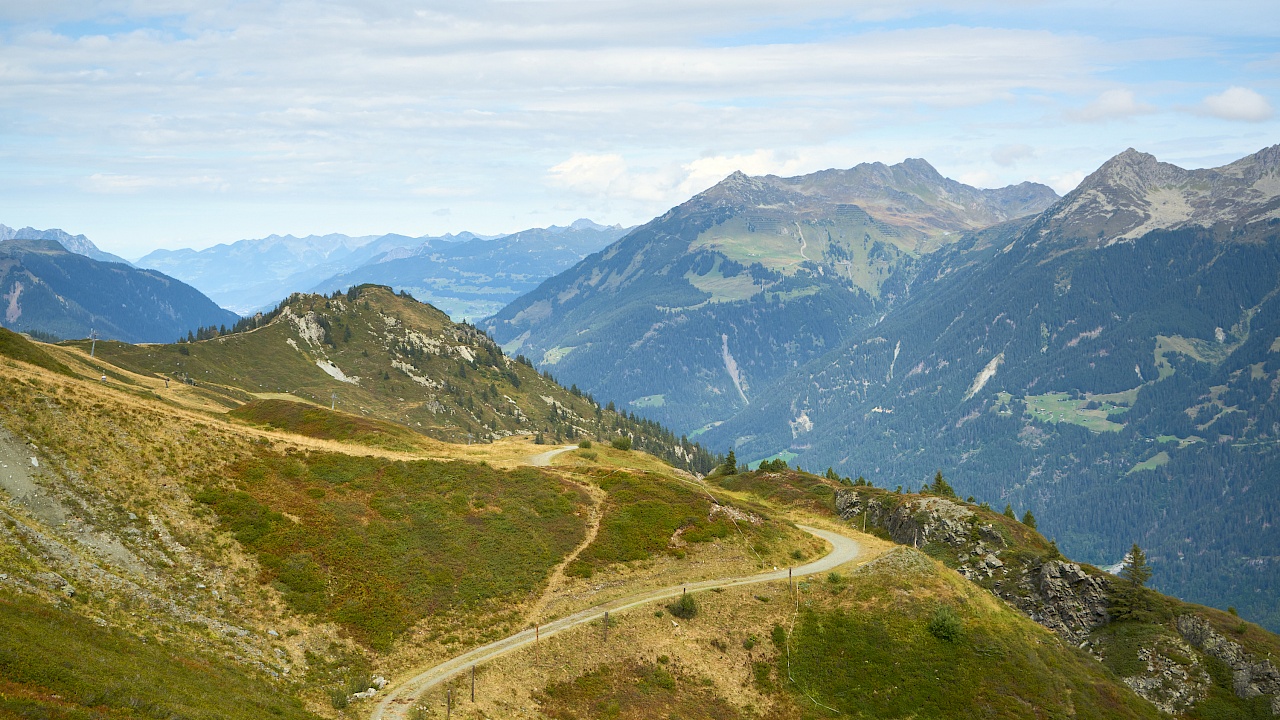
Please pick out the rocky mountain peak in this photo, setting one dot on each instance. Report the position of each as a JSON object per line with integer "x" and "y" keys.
{"x": 1133, "y": 194}
{"x": 1137, "y": 171}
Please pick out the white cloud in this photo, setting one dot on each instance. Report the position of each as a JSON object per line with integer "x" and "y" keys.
{"x": 1111, "y": 105}
{"x": 1008, "y": 155}
{"x": 303, "y": 111}
{"x": 1238, "y": 103}
{"x": 1066, "y": 182}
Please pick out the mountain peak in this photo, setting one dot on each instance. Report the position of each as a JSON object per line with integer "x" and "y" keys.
{"x": 1133, "y": 194}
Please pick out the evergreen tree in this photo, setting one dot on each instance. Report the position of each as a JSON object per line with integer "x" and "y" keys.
{"x": 1129, "y": 597}
{"x": 1008, "y": 512}
{"x": 1135, "y": 570}
{"x": 940, "y": 486}
{"x": 1029, "y": 520}
{"x": 730, "y": 466}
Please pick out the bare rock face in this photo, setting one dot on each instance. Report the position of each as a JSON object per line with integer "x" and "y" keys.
{"x": 1251, "y": 677}
{"x": 1059, "y": 595}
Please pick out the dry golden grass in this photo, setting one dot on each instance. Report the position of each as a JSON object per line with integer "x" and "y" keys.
{"x": 510, "y": 686}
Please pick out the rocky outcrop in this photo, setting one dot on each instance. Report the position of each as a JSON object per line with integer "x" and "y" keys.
{"x": 1250, "y": 676}
{"x": 1172, "y": 681}
{"x": 1060, "y": 595}
{"x": 919, "y": 521}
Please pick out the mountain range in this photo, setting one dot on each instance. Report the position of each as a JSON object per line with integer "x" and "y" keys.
{"x": 467, "y": 275}
{"x": 272, "y": 518}
{"x": 78, "y": 244}
{"x": 1109, "y": 362}
{"x": 691, "y": 316}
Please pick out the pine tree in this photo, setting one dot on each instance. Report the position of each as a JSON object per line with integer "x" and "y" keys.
{"x": 1129, "y": 599}
{"x": 940, "y": 486}
{"x": 730, "y": 466}
{"x": 1008, "y": 512}
{"x": 1029, "y": 520}
{"x": 1135, "y": 570}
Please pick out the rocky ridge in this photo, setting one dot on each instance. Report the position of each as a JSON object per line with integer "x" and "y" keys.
{"x": 1072, "y": 599}
{"x": 1133, "y": 194}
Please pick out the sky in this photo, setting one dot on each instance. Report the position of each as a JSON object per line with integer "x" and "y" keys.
{"x": 186, "y": 123}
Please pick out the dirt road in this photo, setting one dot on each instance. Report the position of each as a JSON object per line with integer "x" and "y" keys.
{"x": 544, "y": 459}
{"x": 396, "y": 704}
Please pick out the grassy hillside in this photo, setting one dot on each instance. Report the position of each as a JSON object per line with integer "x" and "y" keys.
{"x": 376, "y": 546}
{"x": 320, "y": 422}
{"x": 373, "y": 353}
{"x": 55, "y": 663}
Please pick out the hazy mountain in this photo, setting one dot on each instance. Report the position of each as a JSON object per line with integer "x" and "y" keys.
{"x": 78, "y": 244}
{"x": 249, "y": 275}
{"x": 456, "y": 272}
{"x": 475, "y": 277}
{"x": 1111, "y": 364}
{"x": 688, "y": 317}
{"x": 47, "y": 289}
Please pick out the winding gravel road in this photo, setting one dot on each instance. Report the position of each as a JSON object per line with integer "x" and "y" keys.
{"x": 396, "y": 704}
{"x": 544, "y": 459}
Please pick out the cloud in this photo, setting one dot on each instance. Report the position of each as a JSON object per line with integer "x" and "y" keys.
{"x": 1066, "y": 182}
{"x": 1111, "y": 105}
{"x": 611, "y": 176}
{"x": 1008, "y": 155}
{"x": 1237, "y": 103}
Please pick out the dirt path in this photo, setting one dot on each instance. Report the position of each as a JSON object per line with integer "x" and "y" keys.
{"x": 401, "y": 698}
{"x": 556, "y": 580}
{"x": 544, "y": 459}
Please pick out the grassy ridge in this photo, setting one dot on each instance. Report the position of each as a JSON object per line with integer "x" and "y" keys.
{"x": 319, "y": 422}
{"x": 376, "y": 546}
{"x": 56, "y": 664}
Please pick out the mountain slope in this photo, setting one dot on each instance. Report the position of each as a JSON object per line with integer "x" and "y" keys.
{"x": 686, "y": 318}
{"x": 1122, "y": 387}
{"x": 159, "y": 558}
{"x": 47, "y": 289}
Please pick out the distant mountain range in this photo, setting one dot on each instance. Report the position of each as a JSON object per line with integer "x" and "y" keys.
{"x": 46, "y": 289}
{"x": 1110, "y": 360}
{"x": 476, "y": 277}
{"x": 78, "y": 244}
{"x": 467, "y": 275}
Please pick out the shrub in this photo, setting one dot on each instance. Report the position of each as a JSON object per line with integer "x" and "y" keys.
{"x": 622, "y": 443}
{"x": 685, "y": 608}
{"x": 945, "y": 625}
{"x": 585, "y": 444}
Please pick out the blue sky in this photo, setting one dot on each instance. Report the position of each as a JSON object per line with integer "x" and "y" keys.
{"x": 184, "y": 123}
